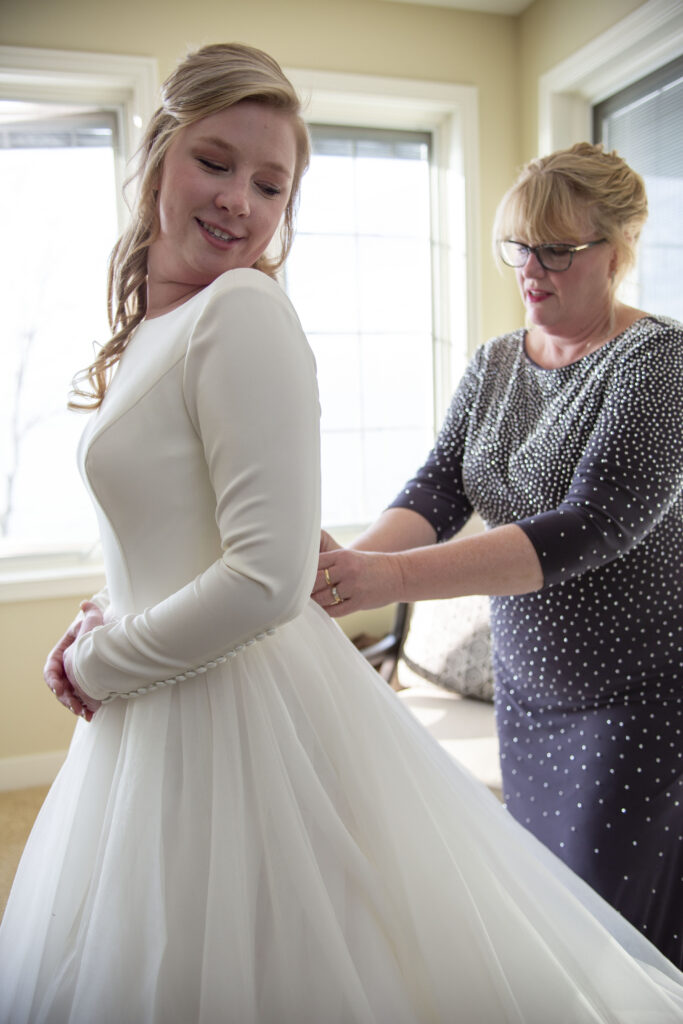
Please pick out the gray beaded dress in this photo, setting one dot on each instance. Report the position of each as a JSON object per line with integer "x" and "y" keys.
{"x": 588, "y": 461}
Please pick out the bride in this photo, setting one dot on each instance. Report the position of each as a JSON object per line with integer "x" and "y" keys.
{"x": 248, "y": 828}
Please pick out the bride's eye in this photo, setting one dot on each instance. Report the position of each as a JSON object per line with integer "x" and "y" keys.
{"x": 269, "y": 190}
{"x": 210, "y": 165}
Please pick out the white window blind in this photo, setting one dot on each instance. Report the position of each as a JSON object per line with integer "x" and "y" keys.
{"x": 644, "y": 123}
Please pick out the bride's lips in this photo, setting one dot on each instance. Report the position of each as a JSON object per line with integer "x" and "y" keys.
{"x": 218, "y": 236}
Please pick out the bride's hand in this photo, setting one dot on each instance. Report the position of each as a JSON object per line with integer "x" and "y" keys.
{"x": 350, "y": 581}
{"x": 58, "y": 670}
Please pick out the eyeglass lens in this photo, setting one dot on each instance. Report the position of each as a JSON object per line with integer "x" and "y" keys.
{"x": 552, "y": 257}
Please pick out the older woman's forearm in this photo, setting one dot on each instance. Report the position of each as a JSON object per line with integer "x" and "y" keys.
{"x": 501, "y": 561}
{"x": 396, "y": 529}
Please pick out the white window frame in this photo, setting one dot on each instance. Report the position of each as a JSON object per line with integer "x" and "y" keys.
{"x": 450, "y": 113}
{"x": 647, "y": 39}
{"x": 127, "y": 86}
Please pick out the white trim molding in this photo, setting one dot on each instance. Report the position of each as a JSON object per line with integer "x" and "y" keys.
{"x": 450, "y": 113}
{"x": 126, "y": 85}
{"x": 71, "y": 76}
{"x": 30, "y": 770}
{"x": 49, "y": 578}
{"x": 647, "y": 39}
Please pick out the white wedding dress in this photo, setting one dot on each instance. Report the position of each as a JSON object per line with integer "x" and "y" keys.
{"x": 252, "y": 830}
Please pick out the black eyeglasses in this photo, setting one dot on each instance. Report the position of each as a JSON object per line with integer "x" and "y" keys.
{"x": 550, "y": 256}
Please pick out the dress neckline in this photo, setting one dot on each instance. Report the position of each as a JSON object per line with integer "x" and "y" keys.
{"x": 606, "y": 345}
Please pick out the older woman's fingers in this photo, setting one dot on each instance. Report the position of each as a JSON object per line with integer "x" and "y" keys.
{"x": 330, "y": 597}
{"x": 324, "y": 580}
{"x": 327, "y": 542}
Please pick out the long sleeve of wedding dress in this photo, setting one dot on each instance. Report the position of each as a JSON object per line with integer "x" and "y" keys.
{"x": 244, "y": 390}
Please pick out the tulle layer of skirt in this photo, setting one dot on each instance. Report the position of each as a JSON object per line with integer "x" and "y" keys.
{"x": 279, "y": 842}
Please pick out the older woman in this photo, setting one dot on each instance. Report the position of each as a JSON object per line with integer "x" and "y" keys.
{"x": 566, "y": 438}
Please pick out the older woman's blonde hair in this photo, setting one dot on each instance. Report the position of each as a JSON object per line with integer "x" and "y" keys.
{"x": 558, "y": 198}
{"x": 207, "y": 81}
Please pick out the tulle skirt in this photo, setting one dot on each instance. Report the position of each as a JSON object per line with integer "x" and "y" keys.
{"x": 279, "y": 842}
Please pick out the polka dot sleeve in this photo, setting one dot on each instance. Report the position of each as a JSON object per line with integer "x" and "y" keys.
{"x": 631, "y": 473}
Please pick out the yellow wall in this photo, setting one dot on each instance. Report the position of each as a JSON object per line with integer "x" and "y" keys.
{"x": 32, "y": 722}
{"x": 502, "y": 56}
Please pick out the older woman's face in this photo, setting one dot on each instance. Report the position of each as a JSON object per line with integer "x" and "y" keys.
{"x": 571, "y": 302}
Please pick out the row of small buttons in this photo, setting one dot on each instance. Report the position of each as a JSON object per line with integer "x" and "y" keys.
{"x": 189, "y": 673}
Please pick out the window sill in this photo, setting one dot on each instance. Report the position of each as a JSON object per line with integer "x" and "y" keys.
{"x": 34, "y": 582}
{"x": 33, "y": 578}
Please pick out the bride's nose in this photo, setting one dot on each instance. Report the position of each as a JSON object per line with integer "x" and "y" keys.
{"x": 233, "y": 196}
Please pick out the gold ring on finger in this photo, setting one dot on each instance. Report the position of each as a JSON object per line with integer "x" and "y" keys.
{"x": 326, "y": 574}
{"x": 337, "y": 596}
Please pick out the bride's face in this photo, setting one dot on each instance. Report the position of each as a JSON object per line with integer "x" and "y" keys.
{"x": 224, "y": 186}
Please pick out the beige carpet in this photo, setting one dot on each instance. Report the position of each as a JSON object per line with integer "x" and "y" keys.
{"x": 18, "y": 809}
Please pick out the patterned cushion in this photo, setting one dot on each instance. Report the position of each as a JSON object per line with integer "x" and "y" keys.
{"x": 449, "y": 643}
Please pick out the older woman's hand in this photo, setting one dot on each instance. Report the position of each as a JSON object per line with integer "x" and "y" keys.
{"x": 58, "y": 670}
{"x": 350, "y": 581}
{"x": 328, "y": 543}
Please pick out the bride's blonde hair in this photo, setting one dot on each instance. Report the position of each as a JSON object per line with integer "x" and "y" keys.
{"x": 206, "y": 82}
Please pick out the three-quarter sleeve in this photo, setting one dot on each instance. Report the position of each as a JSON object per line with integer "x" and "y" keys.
{"x": 249, "y": 390}
{"x": 631, "y": 473}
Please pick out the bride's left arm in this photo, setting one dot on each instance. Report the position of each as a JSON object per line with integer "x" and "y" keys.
{"x": 251, "y": 396}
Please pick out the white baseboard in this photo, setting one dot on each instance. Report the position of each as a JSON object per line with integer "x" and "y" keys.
{"x": 32, "y": 770}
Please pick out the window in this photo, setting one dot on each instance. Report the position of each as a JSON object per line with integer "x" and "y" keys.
{"x": 68, "y": 124}
{"x": 644, "y": 123}
{"x": 58, "y": 209}
{"x": 381, "y": 274}
{"x": 88, "y": 84}
{"x": 360, "y": 277}
{"x": 642, "y": 42}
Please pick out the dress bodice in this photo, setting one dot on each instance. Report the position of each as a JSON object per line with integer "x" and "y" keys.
{"x": 209, "y": 528}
